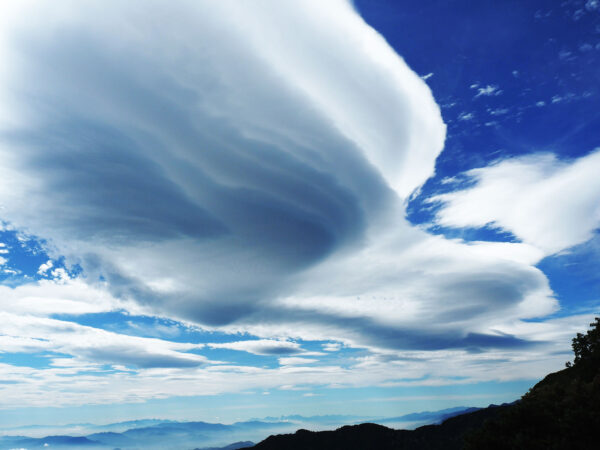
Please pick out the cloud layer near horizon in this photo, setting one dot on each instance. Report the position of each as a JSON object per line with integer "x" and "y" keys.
{"x": 244, "y": 167}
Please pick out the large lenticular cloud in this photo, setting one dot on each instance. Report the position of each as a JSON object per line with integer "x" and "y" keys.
{"x": 244, "y": 166}
{"x": 227, "y": 140}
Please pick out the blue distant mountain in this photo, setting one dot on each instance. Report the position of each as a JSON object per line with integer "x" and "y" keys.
{"x": 113, "y": 439}
{"x": 56, "y": 441}
{"x": 129, "y": 424}
{"x": 328, "y": 418}
{"x": 156, "y": 433}
{"x": 430, "y": 416}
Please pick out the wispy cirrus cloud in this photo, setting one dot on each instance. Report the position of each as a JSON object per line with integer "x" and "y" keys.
{"x": 261, "y": 346}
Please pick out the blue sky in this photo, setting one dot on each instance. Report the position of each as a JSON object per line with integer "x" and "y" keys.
{"x": 234, "y": 210}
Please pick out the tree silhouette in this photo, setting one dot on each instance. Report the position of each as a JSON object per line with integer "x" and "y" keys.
{"x": 587, "y": 346}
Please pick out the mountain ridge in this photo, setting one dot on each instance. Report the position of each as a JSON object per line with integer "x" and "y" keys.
{"x": 145, "y": 430}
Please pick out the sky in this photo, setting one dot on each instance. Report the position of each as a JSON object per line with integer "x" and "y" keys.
{"x": 225, "y": 210}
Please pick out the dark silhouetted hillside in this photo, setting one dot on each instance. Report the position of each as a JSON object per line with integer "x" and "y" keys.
{"x": 561, "y": 412}
{"x": 447, "y": 436}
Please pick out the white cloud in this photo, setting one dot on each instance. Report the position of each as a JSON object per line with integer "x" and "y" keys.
{"x": 499, "y": 111}
{"x": 296, "y": 361}
{"x": 48, "y": 297}
{"x": 45, "y": 267}
{"x": 19, "y": 333}
{"x": 566, "y": 55}
{"x": 261, "y": 347}
{"x": 592, "y": 5}
{"x": 487, "y": 91}
{"x": 466, "y": 116}
{"x": 332, "y": 346}
{"x": 546, "y": 202}
{"x": 61, "y": 275}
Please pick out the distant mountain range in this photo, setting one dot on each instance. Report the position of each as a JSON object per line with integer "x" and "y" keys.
{"x": 159, "y": 435}
{"x": 448, "y": 429}
{"x": 153, "y": 433}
